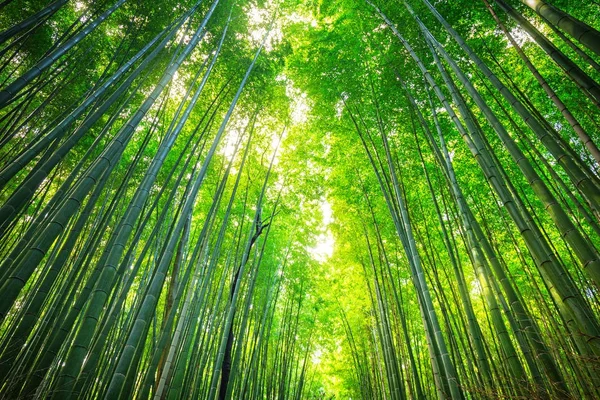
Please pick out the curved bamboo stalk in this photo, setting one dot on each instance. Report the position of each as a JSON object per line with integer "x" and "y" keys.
{"x": 584, "y": 33}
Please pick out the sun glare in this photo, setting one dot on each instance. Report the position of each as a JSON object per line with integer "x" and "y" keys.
{"x": 324, "y": 246}
{"x": 258, "y": 23}
{"x": 300, "y": 103}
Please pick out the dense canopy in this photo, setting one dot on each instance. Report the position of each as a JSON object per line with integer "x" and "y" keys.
{"x": 276, "y": 199}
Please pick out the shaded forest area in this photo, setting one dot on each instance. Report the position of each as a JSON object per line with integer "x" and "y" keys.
{"x": 275, "y": 199}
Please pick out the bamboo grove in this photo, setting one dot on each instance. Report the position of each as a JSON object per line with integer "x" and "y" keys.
{"x": 219, "y": 199}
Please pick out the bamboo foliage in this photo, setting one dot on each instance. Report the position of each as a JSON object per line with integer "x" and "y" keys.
{"x": 290, "y": 200}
